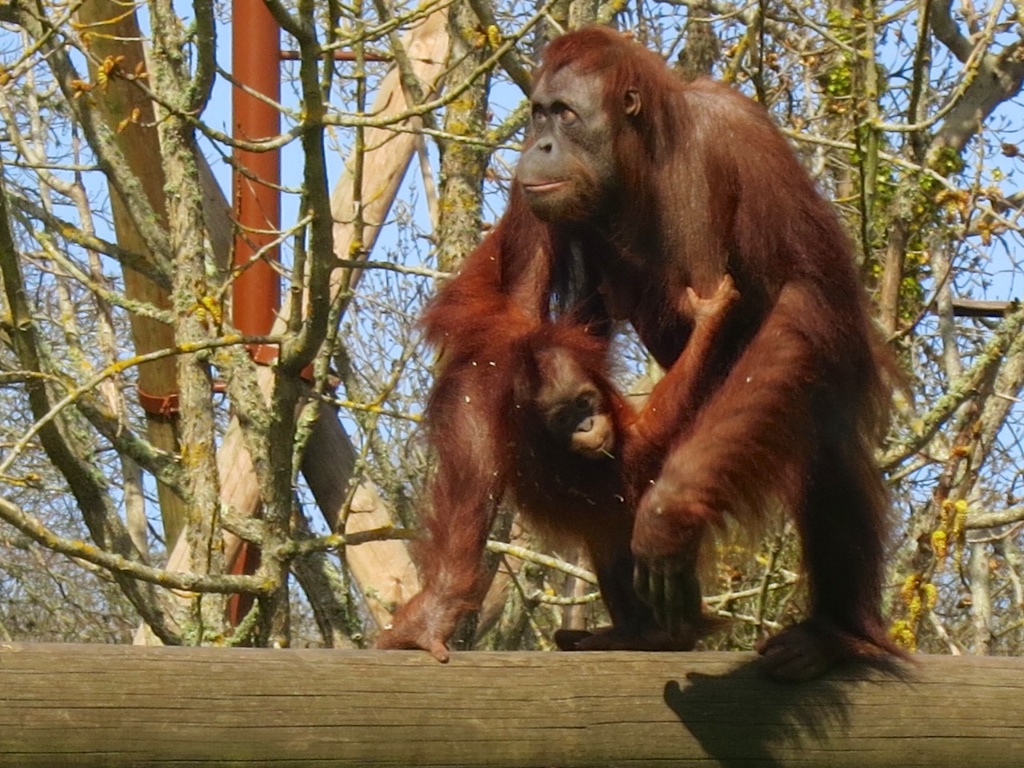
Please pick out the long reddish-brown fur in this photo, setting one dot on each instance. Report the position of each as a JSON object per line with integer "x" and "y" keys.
{"x": 476, "y": 321}
{"x": 798, "y": 398}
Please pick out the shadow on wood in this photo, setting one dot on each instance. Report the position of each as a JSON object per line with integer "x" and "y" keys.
{"x": 116, "y": 706}
{"x": 767, "y": 723}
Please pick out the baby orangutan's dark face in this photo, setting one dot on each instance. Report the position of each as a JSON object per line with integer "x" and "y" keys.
{"x": 573, "y": 409}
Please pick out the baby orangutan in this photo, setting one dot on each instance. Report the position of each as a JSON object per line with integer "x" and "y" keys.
{"x": 585, "y": 456}
{"x": 583, "y": 411}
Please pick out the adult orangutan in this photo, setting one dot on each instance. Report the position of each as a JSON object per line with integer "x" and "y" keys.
{"x": 632, "y": 188}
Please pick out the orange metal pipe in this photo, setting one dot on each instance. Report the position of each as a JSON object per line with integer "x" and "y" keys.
{"x": 256, "y": 296}
{"x": 247, "y": 561}
{"x": 255, "y": 61}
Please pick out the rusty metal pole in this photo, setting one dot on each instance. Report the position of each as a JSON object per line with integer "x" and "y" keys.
{"x": 256, "y": 296}
{"x": 256, "y": 63}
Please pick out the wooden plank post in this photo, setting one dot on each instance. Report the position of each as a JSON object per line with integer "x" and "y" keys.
{"x": 113, "y": 33}
{"x": 115, "y": 706}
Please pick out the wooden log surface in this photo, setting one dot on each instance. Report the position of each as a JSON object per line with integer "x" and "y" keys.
{"x": 110, "y": 706}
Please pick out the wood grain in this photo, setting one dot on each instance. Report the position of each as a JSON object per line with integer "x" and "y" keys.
{"x": 132, "y": 706}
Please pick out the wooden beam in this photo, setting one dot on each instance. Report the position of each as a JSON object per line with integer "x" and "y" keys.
{"x": 383, "y": 570}
{"x": 110, "y": 706}
{"x": 113, "y": 32}
{"x": 978, "y": 308}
